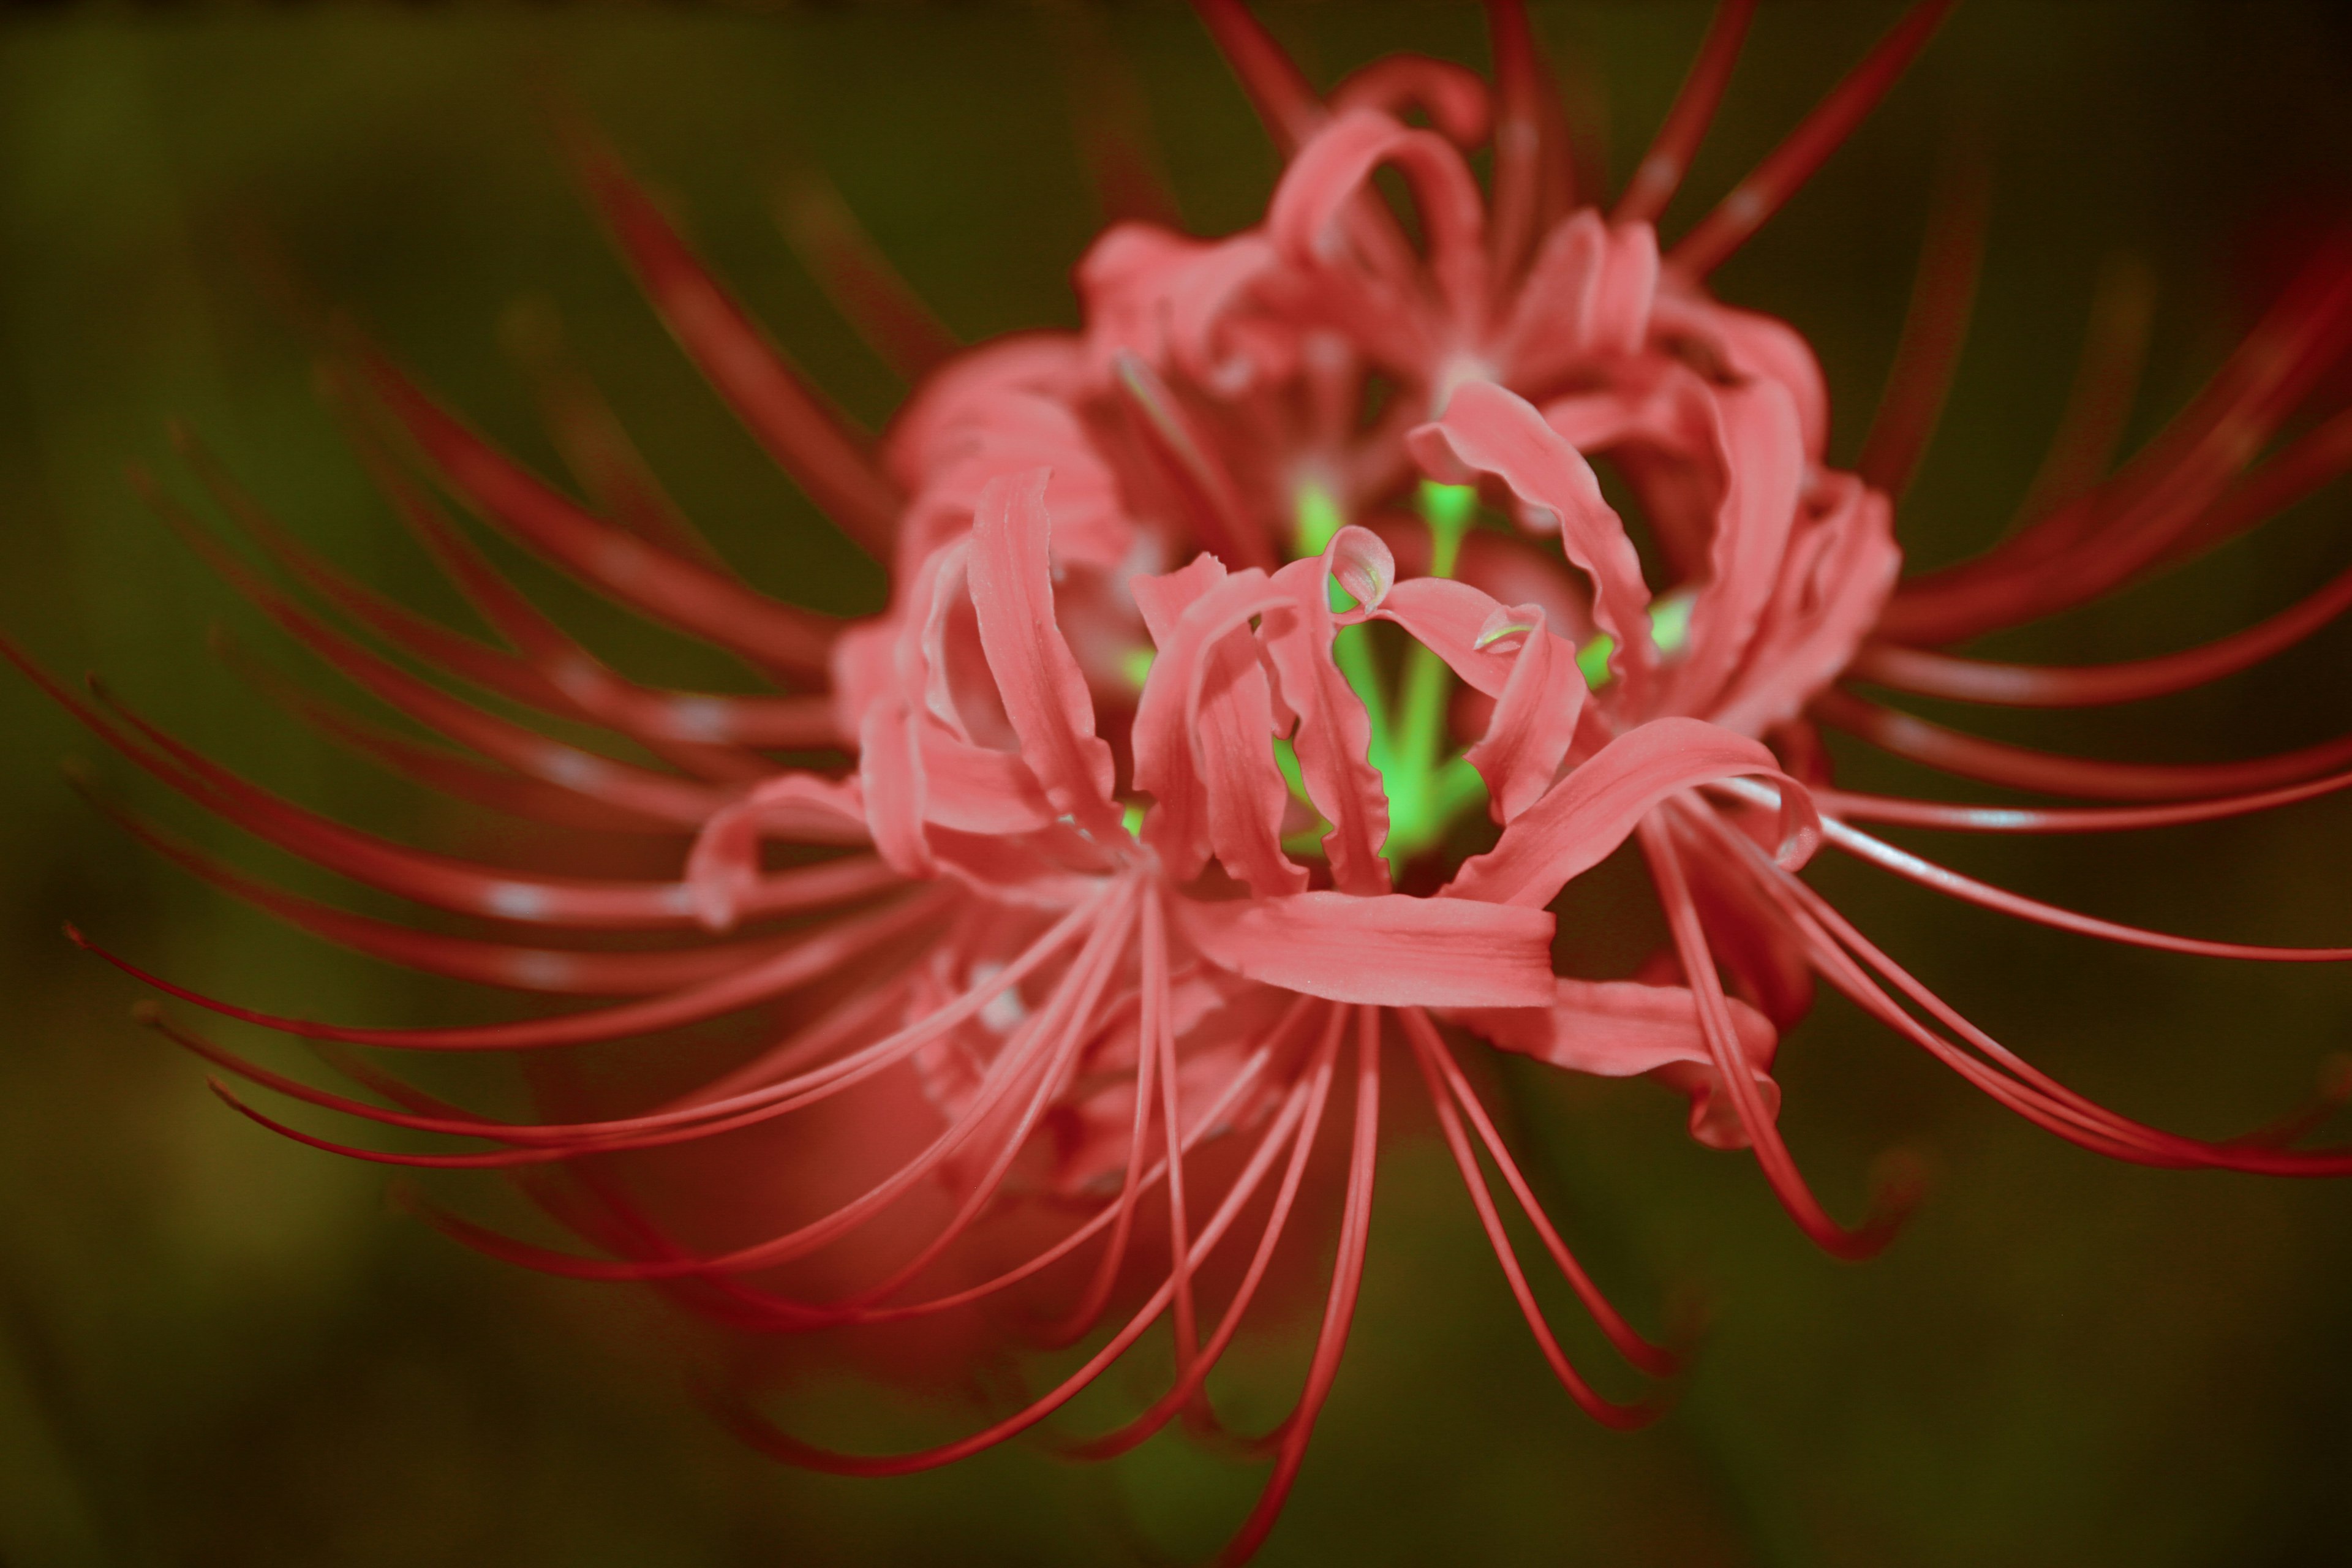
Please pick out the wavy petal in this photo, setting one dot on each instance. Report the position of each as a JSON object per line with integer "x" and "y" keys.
{"x": 1588, "y": 815}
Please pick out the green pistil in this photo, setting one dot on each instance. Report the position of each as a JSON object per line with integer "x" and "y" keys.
{"x": 1318, "y": 518}
{"x": 1670, "y": 618}
{"x": 1135, "y": 664}
{"x": 1593, "y": 660}
{"x": 1426, "y": 791}
{"x": 1451, "y": 509}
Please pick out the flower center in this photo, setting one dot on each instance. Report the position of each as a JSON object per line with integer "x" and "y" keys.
{"x": 1428, "y": 782}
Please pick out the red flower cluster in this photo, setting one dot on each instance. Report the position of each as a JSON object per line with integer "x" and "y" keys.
{"x": 1263, "y": 659}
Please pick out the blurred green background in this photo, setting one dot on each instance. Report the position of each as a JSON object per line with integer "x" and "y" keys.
{"x": 219, "y": 1347}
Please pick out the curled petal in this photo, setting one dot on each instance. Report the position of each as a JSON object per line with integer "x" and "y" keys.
{"x": 1614, "y": 1029}
{"x": 1491, "y": 430}
{"x": 1618, "y": 1029}
{"x": 1335, "y": 734}
{"x": 1535, "y": 717}
{"x": 1325, "y": 180}
{"x": 723, "y": 868}
{"x": 1204, "y": 728}
{"x": 1454, "y": 98}
{"x": 1045, "y": 692}
{"x": 1361, "y": 561}
{"x": 1588, "y": 815}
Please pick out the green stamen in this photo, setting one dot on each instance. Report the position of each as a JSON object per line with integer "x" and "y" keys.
{"x": 1135, "y": 664}
{"x": 1670, "y": 625}
{"x": 1425, "y": 791}
{"x": 1670, "y": 619}
{"x": 1593, "y": 660}
{"x": 1450, "y": 510}
{"x": 1318, "y": 520}
{"x": 1423, "y": 795}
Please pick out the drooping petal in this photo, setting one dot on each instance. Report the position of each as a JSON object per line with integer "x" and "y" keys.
{"x": 1614, "y": 1028}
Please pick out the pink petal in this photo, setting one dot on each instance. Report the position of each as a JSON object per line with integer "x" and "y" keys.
{"x": 1332, "y": 170}
{"x": 890, "y": 771}
{"x": 1163, "y": 599}
{"x": 1487, "y": 429}
{"x": 1618, "y": 1029}
{"x": 1589, "y": 813}
{"x": 723, "y": 870}
{"x": 1335, "y": 737}
{"x": 1534, "y": 720}
{"x": 1393, "y": 950}
{"x": 1204, "y": 731}
{"x": 1044, "y": 690}
{"x": 1828, "y": 603}
{"x": 1615, "y": 1028}
{"x": 1764, "y": 466}
{"x": 978, "y": 790}
{"x": 1628, "y": 286}
{"x": 1452, "y": 620}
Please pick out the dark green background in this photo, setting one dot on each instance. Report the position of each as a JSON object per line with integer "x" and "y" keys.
{"x": 215, "y": 1347}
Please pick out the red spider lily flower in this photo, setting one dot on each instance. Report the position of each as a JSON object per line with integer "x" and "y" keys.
{"x": 1263, "y": 659}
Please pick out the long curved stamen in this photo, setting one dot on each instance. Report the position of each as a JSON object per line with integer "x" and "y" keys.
{"x": 858, "y": 278}
{"x": 1339, "y": 1309}
{"x": 812, "y": 957}
{"x": 679, "y": 803}
{"x": 440, "y": 882}
{"x": 1791, "y": 164}
{"x": 2021, "y": 767}
{"x": 671, "y": 588}
{"x": 1427, "y": 1050}
{"x": 2107, "y": 380}
{"x": 1856, "y": 807}
{"x": 1934, "y": 674}
{"x": 1531, "y": 156}
{"x": 1933, "y": 331}
{"x": 435, "y": 768}
{"x": 588, "y": 435}
{"x": 1286, "y": 104}
{"x": 808, "y": 438}
{"x": 703, "y": 733}
{"x": 1927, "y": 874}
{"x": 1654, "y": 1360}
{"x": 1659, "y": 172}
{"x": 1114, "y": 124}
{"x": 1059, "y": 1029}
{"x": 763, "y": 1435}
{"x": 1152, "y": 988}
{"x": 1890, "y": 1206}
{"x": 2030, "y": 1091}
{"x": 1186, "y": 1396}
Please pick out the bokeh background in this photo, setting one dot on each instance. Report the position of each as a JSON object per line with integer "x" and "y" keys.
{"x": 219, "y": 1347}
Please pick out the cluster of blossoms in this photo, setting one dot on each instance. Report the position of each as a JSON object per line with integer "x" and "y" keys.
{"x": 1262, "y": 659}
